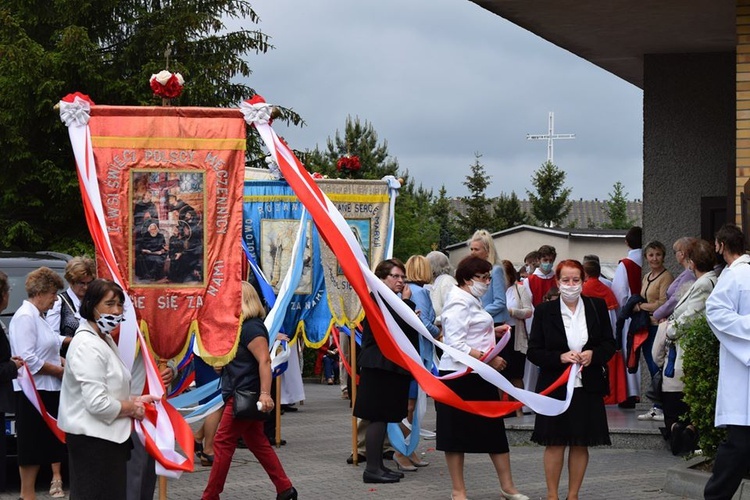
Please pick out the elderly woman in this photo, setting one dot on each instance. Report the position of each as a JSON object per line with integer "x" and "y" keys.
{"x": 64, "y": 317}
{"x": 33, "y": 340}
{"x": 678, "y": 429}
{"x": 9, "y": 366}
{"x": 249, "y": 370}
{"x": 383, "y": 391}
{"x": 571, "y": 330}
{"x": 468, "y": 327}
{"x": 95, "y": 404}
{"x": 442, "y": 281}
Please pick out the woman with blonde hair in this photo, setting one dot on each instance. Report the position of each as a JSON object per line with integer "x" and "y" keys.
{"x": 418, "y": 274}
{"x": 64, "y": 317}
{"x": 249, "y": 370}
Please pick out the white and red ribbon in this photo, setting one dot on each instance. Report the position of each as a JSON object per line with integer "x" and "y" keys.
{"x": 392, "y": 341}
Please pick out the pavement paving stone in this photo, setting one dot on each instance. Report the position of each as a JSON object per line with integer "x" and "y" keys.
{"x": 319, "y": 441}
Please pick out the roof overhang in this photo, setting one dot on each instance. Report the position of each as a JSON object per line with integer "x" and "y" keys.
{"x": 616, "y": 34}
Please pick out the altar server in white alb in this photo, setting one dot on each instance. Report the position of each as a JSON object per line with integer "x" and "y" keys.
{"x": 728, "y": 313}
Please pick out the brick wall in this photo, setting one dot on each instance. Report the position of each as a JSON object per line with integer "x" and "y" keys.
{"x": 743, "y": 102}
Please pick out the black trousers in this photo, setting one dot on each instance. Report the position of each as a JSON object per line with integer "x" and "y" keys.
{"x": 731, "y": 464}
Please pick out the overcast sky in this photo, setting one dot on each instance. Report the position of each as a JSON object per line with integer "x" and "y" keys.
{"x": 443, "y": 79}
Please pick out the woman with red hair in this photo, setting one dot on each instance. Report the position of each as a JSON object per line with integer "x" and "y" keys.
{"x": 571, "y": 330}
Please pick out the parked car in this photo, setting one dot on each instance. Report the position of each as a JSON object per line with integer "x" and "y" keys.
{"x": 17, "y": 265}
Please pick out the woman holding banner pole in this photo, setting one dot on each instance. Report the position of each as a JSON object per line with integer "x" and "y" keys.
{"x": 571, "y": 330}
{"x": 468, "y": 328}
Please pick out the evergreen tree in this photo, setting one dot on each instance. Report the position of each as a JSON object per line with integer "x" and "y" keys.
{"x": 478, "y": 214}
{"x": 107, "y": 49}
{"x": 445, "y": 217}
{"x": 508, "y": 212}
{"x": 549, "y": 204}
{"x": 617, "y": 209}
{"x": 359, "y": 139}
{"x": 416, "y": 230}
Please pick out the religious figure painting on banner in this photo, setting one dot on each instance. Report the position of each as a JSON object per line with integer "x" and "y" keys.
{"x": 361, "y": 230}
{"x": 277, "y": 237}
{"x": 167, "y": 244}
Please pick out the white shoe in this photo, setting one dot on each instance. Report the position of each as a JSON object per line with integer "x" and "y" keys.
{"x": 513, "y": 496}
{"x": 655, "y": 414}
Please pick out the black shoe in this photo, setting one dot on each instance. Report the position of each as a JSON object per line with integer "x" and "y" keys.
{"x": 360, "y": 459}
{"x": 689, "y": 440}
{"x": 290, "y": 494}
{"x": 288, "y": 408}
{"x": 392, "y": 472}
{"x": 382, "y": 477}
{"x": 676, "y": 438}
{"x": 272, "y": 441}
{"x": 629, "y": 403}
{"x": 388, "y": 455}
{"x": 241, "y": 443}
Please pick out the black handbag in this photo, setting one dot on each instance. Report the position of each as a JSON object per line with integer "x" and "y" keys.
{"x": 245, "y": 405}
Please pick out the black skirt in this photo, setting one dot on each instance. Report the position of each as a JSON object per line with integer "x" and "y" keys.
{"x": 382, "y": 395}
{"x": 516, "y": 359}
{"x": 97, "y": 467}
{"x": 584, "y": 423}
{"x": 460, "y": 431}
{"x": 37, "y": 445}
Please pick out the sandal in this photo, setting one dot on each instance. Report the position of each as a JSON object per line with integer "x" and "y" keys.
{"x": 207, "y": 460}
{"x": 198, "y": 447}
{"x": 56, "y": 489}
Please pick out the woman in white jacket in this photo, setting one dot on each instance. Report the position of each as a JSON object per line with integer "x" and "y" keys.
{"x": 95, "y": 404}
{"x": 681, "y": 434}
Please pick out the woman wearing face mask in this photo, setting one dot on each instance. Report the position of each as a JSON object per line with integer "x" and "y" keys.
{"x": 95, "y": 404}
{"x": 571, "y": 330}
{"x": 468, "y": 327}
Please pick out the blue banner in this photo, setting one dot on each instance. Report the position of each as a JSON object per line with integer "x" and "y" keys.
{"x": 272, "y": 214}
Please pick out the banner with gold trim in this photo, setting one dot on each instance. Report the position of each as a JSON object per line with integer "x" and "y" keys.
{"x": 171, "y": 186}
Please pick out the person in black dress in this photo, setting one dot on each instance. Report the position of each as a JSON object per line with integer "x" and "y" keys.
{"x": 383, "y": 391}
{"x": 571, "y": 330}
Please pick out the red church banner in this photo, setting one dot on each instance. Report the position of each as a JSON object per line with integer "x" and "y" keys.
{"x": 170, "y": 181}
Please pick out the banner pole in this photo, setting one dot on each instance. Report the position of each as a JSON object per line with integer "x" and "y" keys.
{"x": 162, "y": 488}
{"x": 278, "y": 411}
{"x": 353, "y": 393}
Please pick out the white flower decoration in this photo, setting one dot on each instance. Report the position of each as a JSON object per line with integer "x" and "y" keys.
{"x": 256, "y": 113}
{"x": 274, "y": 167}
{"x": 76, "y": 113}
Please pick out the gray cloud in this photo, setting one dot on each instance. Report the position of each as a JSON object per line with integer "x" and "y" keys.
{"x": 441, "y": 79}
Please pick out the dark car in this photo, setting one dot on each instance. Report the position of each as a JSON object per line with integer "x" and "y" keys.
{"x": 17, "y": 265}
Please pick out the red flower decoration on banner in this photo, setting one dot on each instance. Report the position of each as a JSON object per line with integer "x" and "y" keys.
{"x": 348, "y": 163}
{"x": 72, "y": 97}
{"x": 167, "y": 85}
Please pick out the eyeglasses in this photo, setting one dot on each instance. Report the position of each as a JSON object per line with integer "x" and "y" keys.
{"x": 398, "y": 276}
{"x": 483, "y": 277}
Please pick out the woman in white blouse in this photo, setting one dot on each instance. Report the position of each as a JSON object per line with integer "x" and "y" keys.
{"x": 32, "y": 339}
{"x": 468, "y": 328}
{"x": 95, "y": 404}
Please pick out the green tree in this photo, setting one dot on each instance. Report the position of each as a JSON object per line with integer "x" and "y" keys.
{"x": 508, "y": 212}
{"x": 549, "y": 204}
{"x": 107, "y": 49}
{"x": 415, "y": 231}
{"x": 617, "y": 209}
{"x": 477, "y": 207}
{"x": 359, "y": 139}
{"x": 445, "y": 217}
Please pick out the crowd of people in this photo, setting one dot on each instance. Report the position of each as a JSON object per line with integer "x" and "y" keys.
{"x": 554, "y": 315}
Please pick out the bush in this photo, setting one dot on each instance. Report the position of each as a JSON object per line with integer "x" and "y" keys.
{"x": 700, "y": 366}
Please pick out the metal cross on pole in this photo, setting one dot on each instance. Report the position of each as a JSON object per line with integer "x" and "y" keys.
{"x": 550, "y": 136}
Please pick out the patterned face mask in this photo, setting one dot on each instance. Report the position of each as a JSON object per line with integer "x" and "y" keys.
{"x": 108, "y": 322}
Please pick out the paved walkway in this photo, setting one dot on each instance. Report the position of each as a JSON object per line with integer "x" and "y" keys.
{"x": 319, "y": 440}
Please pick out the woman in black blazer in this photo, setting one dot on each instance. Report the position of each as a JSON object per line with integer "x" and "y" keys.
{"x": 571, "y": 330}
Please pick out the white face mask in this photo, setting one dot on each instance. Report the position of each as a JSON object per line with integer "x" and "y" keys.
{"x": 108, "y": 322}
{"x": 478, "y": 288}
{"x": 570, "y": 293}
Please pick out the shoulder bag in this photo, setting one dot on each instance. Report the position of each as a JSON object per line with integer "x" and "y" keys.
{"x": 245, "y": 405}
